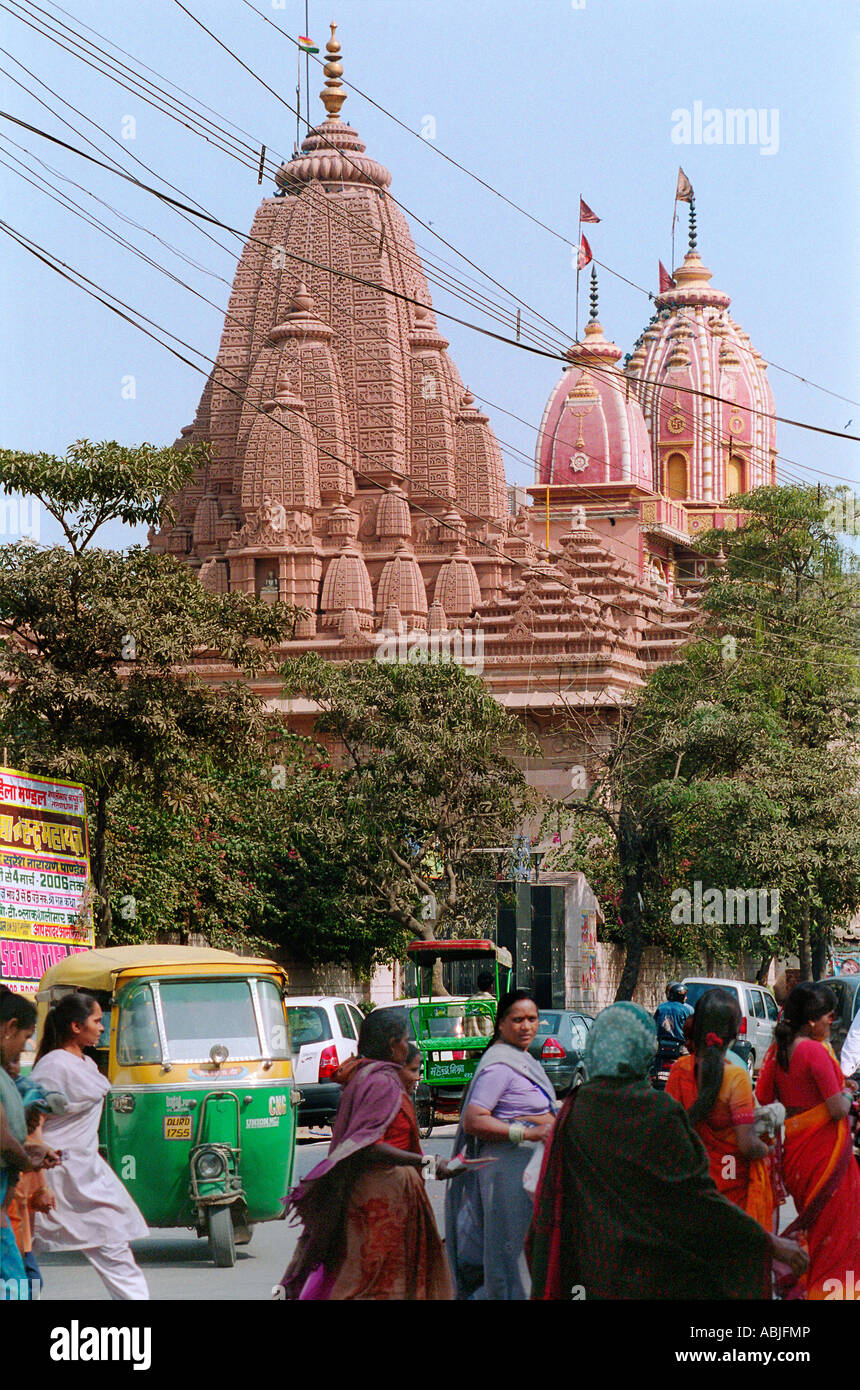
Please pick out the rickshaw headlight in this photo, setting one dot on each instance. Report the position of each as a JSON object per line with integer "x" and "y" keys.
{"x": 210, "y": 1165}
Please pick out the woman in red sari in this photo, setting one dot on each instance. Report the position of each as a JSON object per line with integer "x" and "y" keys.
{"x": 369, "y": 1229}
{"x": 802, "y": 1072}
{"x": 718, "y": 1098}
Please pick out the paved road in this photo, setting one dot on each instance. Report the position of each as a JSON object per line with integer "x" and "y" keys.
{"x": 177, "y": 1264}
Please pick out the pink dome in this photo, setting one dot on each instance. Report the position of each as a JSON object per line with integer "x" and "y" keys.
{"x": 703, "y": 449}
{"x": 593, "y": 430}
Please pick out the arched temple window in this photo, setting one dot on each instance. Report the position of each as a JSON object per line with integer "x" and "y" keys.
{"x": 736, "y": 474}
{"x": 675, "y": 475}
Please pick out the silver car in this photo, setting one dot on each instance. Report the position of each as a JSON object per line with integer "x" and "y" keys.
{"x": 759, "y": 1012}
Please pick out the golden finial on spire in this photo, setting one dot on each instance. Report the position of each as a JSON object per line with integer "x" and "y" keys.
{"x": 333, "y": 94}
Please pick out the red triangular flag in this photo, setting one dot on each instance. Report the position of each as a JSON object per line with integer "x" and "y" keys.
{"x": 666, "y": 281}
{"x": 584, "y": 255}
{"x": 585, "y": 213}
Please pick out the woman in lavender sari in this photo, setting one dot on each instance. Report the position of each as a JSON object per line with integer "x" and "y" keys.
{"x": 369, "y": 1230}
{"x": 509, "y": 1107}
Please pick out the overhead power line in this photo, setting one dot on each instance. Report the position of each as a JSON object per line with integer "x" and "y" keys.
{"x": 470, "y": 173}
{"x": 398, "y": 294}
{"x": 90, "y": 287}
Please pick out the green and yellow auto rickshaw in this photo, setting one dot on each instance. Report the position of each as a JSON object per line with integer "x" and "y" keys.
{"x": 453, "y": 1032}
{"x": 200, "y": 1120}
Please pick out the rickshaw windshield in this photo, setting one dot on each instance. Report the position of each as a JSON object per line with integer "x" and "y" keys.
{"x": 441, "y": 1020}
{"x": 199, "y": 1013}
{"x": 180, "y": 1020}
{"x": 137, "y": 1036}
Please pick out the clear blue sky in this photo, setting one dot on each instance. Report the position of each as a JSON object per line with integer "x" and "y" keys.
{"x": 544, "y": 100}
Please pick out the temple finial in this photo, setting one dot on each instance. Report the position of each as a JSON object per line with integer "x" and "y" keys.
{"x": 333, "y": 94}
{"x": 692, "y": 223}
{"x": 592, "y": 294}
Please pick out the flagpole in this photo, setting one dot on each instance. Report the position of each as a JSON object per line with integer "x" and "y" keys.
{"x": 578, "y": 255}
{"x": 674, "y": 220}
{"x": 307, "y": 69}
{"x": 298, "y": 95}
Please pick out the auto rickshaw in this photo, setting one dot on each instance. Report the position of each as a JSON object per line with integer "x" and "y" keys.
{"x": 200, "y": 1120}
{"x": 453, "y": 1032}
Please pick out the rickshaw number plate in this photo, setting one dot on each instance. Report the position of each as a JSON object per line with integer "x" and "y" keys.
{"x": 440, "y": 1071}
{"x": 177, "y": 1126}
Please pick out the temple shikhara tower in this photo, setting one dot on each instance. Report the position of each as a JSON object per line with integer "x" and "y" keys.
{"x": 354, "y": 475}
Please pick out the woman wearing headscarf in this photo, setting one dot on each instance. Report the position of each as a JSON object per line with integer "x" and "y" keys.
{"x": 508, "y": 1108}
{"x": 625, "y": 1206}
{"x": 718, "y": 1098}
{"x": 802, "y": 1072}
{"x": 369, "y": 1230}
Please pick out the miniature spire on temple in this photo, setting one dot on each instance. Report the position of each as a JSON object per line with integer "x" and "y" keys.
{"x": 592, "y": 296}
{"x": 333, "y": 94}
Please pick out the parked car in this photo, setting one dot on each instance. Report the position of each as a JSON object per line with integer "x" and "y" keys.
{"x": 559, "y": 1046}
{"x": 323, "y": 1034}
{"x": 759, "y": 1015}
{"x": 847, "y": 991}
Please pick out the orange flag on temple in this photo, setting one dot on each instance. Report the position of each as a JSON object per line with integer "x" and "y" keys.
{"x": 684, "y": 191}
{"x": 666, "y": 281}
{"x": 584, "y": 255}
{"x": 585, "y": 213}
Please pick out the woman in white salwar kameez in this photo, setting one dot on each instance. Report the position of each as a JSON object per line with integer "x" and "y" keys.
{"x": 94, "y": 1213}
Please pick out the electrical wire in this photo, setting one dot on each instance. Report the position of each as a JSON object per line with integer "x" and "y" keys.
{"x": 62, "y": 268}
{"x": 516, "y": 206}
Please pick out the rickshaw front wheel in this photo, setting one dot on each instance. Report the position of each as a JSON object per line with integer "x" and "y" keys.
{"x": 219, "y": 1222}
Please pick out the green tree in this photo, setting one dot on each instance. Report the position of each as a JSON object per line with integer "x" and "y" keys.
{"x": 98, "y": 647}
{"x": 424, "y": 777}
{"x": 738, "y": 766}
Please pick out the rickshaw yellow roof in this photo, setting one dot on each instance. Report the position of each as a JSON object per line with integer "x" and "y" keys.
{"x": 95, "y": 969}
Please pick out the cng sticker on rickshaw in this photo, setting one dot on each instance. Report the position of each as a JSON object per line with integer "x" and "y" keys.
{"x": 177, "y": 1126}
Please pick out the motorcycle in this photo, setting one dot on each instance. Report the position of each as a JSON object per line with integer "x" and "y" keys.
{"x": 668, "y": 1051}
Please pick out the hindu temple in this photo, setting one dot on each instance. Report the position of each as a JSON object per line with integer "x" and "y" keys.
{"x": 354, "y": 475}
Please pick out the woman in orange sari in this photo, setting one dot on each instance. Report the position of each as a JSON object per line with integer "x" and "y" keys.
{"x": 802, "y": 1072}
{"x": 718, "y": 1098}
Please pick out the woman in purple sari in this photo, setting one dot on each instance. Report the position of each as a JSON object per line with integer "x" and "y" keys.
{"x": 369, "y": 1230}
{"x": 508, "y": 1109}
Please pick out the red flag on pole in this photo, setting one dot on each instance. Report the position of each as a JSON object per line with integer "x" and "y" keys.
{"x": 584, "y": 255}
{"x": 684, "y": 190}
{"x": 666, "y": 281}
{"x": 585, "y": 213}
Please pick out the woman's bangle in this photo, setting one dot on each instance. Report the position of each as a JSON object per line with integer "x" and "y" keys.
{"x": 516, "y": 1133}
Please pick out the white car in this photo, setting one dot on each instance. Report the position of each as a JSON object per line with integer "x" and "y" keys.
{"x": 323, "y": 1034}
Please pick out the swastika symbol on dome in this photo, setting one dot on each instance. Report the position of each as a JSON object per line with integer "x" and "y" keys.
{"x": 579, "y": 462}
{"x": 675, "y": 423}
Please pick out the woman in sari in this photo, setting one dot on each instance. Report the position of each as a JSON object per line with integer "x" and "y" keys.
{"x": 369, "y": 1230}
{"x": 625, "y": 1206}
{"x": 718, "y": 1098}
{"x": 93, "y": 1212}
{"x": 802, "y": 1072}
{"x": 509, "y": 1107}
